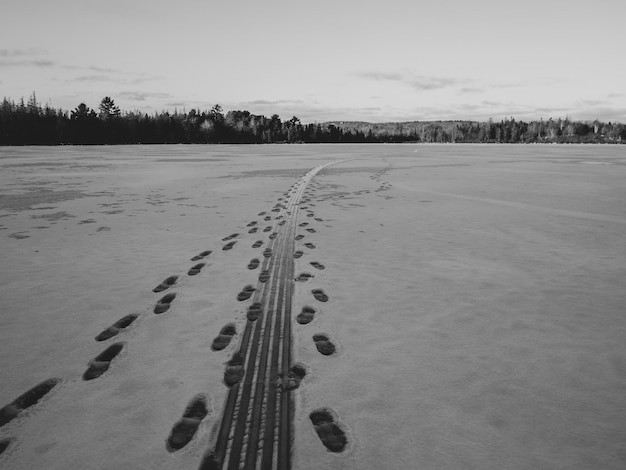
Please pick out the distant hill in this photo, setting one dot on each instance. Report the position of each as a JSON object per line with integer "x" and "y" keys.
{"x": 506, "y": 131}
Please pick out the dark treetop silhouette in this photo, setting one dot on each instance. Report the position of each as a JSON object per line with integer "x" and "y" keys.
{"x": 32, "y": 124}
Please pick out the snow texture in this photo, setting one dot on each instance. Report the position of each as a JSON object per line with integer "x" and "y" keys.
{"x": 475, "y": 302}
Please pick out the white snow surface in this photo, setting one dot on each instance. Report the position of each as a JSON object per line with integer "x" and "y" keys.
{"x": 477, "y": 301}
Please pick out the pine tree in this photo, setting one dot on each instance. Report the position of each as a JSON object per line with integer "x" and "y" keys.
{"x": 108, "y": 108}
{"x": 32, "y": 106}
{"x": 81, "y": 111}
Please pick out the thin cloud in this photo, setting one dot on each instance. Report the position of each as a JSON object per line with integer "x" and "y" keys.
{"x": 22, "y": 52}
{"x": 551, "y": 111}
{"x": 142, "y": 95}
{"x": 24, "y": 58}
{"x": 140, "y": 80}
{"x": 417, "y": 82}
{"x": 432, "y": 83}
{"x": 481, "y": 111}
{"x": 272, "y": 102}
{"x": 508, "y": 85}
{"x": 33, "y": 57}
{"x": 603, "y": 113}
{"x": 27, "y": 63}
{"x": 591, "y": 103}
{"x": 91, "y": 68}
{"x": 93, "y": 78}
{"x": 471, "y": 90}
{"x": 36, "y": 57}
{"x": 109, "y": 79}
{"x": 382, "y": 76}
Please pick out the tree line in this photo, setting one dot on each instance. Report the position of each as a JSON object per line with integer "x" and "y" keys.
{"x": 505, "y": 131}
{"x": 30, "y": 123}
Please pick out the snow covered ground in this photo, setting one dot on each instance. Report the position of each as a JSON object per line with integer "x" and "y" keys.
{"x": 476, "y": 299}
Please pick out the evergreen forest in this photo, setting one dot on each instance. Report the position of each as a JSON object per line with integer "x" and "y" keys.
{"x": 30, "y": 123}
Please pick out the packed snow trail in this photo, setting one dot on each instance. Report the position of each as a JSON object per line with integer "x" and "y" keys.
{"x": 256, "y": 425}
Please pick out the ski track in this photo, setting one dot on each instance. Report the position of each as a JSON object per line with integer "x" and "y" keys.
{"x": 256, "y": 425}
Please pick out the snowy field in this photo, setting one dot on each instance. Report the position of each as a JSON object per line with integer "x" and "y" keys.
{"x": 477, "y": 300}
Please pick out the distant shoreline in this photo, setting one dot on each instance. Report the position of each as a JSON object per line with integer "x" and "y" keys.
{"x": 32, "y": 124}
{"x": 313, "y": 143}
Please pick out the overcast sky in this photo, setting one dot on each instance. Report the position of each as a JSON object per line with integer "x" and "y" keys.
{"x": 383, "y": 60}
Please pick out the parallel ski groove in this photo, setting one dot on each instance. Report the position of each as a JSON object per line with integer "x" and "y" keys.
{"x": 255, "y": 431}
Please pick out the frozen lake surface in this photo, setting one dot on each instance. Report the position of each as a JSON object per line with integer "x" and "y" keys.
{"x": 476, "y": 301}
